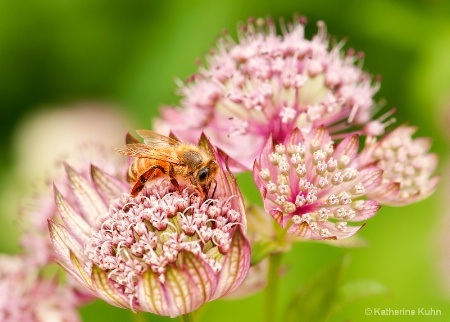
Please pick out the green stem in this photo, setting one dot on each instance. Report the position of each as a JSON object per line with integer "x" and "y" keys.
{"x": 187, "y": 317}
{"x": 272, "y": 286}
{"x": 139, "y": 317}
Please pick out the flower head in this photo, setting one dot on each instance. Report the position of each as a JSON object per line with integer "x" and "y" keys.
{"x": 267, "y": 85}
{"x": 313, "y": 188}
{"x": 40, "y": 207}
{"x": 36, "y": 288}
{"x": 163, "y": 251}
{"x": 28, "y": 296}
{"x": 406, "y": 164}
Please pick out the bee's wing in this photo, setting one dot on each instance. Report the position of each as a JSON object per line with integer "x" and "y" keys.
{"x": 141, "y": 150}
{"x": 156, "y": 140}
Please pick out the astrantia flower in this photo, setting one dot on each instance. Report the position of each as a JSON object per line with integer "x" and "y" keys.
{"x": 163, "y": 251}
{"x": 40, "y": 207}
{"x": 32, "y": 287}
{"x": 27, "y": 296}
{"x": 267, "y": 85}
{"x": 312, "y": 188}
{"x": 406, "y": 163}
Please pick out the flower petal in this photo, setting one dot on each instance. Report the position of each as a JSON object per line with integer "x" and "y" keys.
{"x": 386, "y": 192}
{"x": 82, "y": 275}
{"x": 255, "y": 281}
{"x": 295, "y": 137}
{"x": 348, "y": 147}
{"x": 64, "y": 245}
{"x": 257, "y": 178}
{"x": 78, "y": 227}
{"x": 151, "y": 294}
{"x": 235, "y": 266}
{"x": 371, "y": 207}
{"x": 201, "y": 276}
{"x": 64, "y": 242}
{"x": 370, "y": 177}
{"x": 108, "y": 187}
{"x": 190, "y": 286}
{"x": 276, "y": 214}
{"x": 88, "y": 197}
{"x": 263, "y": 162}
{"x": 301, "y": 230}
{"x": 319, "y": 136}
{"x": 185, "y": 288}
{"x": 334, "y": 232}
{"x": 106, "y": 290}
{"x": 398, "y": 200}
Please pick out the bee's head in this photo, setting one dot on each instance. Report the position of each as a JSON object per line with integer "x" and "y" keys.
{"x": 207, "y": 173}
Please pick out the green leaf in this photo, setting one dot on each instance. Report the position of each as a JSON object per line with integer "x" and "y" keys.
{"x": 314, "y": 301}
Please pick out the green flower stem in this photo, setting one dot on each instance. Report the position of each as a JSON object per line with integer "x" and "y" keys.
{"x": 272, "y": 287}
{"x": 186, "y": 317}
{"x": 139, "y": 317}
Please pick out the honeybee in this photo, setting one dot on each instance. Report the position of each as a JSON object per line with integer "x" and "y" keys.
{"x": 160, "y": 155}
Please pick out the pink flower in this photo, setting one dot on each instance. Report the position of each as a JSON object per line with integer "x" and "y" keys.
{"x": 406, "y": 164}
{"x": 312, "y": 188}
{"x": 37, "y": 209}
{"x": 63, "y": 133}
{"x": 163, "y": 251}
{"x": 267, "y": 85}
{"x": 32, "y": 288}
{"x": 27, "y": 296}
{"x": 32, "y": 295}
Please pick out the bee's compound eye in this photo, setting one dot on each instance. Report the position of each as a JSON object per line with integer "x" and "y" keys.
{"x": 203, "y": 174}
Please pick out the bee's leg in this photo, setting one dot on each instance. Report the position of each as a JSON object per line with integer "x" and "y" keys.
{"x": 196, "y": 187}
{"x": 213, "y": 182}
{"x": 172, "y": 177}
{"x": 143, "y": 178}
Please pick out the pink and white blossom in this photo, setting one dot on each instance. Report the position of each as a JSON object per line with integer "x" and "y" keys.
{"x": 163, "y": 251}
{"x": 313, "y": 188}
{"x": 406, "y": 164}
{"x": 265, "y": 85}
{"x": 28, "y": 296}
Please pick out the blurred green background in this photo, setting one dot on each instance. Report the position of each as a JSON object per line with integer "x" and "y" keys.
{"x": 128, "y": 53}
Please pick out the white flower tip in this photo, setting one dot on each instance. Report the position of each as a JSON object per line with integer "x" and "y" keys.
{"x": 72, "y": 175}
{"x": 68, "y": 168}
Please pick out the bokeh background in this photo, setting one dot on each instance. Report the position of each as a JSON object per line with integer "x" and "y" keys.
{"x": 62, "y": 60}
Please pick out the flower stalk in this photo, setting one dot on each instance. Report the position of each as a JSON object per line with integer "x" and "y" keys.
{"x": 271, "y": 293}
{"x": 188, "y": 317}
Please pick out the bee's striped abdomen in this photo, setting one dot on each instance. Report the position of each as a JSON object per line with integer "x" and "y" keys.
{"x": 138, "y": 167}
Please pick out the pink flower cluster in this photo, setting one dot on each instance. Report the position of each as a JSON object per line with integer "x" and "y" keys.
{"x": 268, "y": 85}
{"x": 292, "y": 109}
{"x": 312, "y": 188}
{"x": 37, "y": 291}
{"x": 165, "y": 251}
